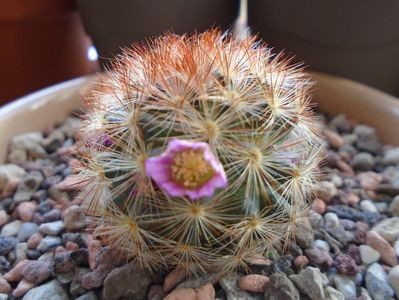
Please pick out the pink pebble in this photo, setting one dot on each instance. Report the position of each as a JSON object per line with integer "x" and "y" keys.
{"x": 23, "y": 287}
{"x": 180, "y": 294}
{"x": 319, "y": 206}
{"x": 5, "y": 287}
{"x": 206, "y": 292}
{"x": 15, "y": 274}
{"x": 172, "y": 279}
{"x": 93, "y": 246}
{"x": 254, "y": 283}
{"x": 34, "y": 240}
{"x": 25, "y": 210}
{"x": 71, "y": 246}
{"x": 4, "y": 217}
{"x": 376, "y": 241}
{"x": 301, "y": 261}
{"x": 60, "y": 249}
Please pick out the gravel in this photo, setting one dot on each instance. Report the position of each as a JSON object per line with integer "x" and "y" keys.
{"x": 348, "y": 248}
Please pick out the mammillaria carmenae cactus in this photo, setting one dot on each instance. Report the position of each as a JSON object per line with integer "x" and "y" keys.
{"x": 199, "y": 152}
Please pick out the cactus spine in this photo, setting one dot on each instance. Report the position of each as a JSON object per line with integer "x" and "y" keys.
{"x": 247, "y": 108}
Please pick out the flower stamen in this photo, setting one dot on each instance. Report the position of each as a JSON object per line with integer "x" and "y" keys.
{"x": 190, "y": 169}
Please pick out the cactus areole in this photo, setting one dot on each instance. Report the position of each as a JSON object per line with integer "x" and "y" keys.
{"x": 199, "y": 152}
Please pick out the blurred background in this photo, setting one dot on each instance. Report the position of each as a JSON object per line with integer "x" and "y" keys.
{"x": 48, "y": 41}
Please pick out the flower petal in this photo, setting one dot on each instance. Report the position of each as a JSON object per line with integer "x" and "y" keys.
{"x": 159, "y": 169}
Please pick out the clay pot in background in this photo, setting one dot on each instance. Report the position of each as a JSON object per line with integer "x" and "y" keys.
{"x": 42, "y": 42}
{"x": 117, "y": 23}
{"x": 358, "y": 39}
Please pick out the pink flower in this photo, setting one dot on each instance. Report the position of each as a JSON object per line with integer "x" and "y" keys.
{"x": 187, "y": 168}
{"x": 106, "y": 140}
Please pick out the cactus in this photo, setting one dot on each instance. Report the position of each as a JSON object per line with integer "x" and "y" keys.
{"x": 199, "y": 152}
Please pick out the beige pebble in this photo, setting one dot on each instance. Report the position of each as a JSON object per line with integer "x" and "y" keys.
{"x": 301, "y": 261}
{"x": 205, "y": 292}
{"x": 333, "y": 138}
{"x": 259, "y": 260}
{"x": 155, "y": 292}
{"x": 254, "y": 283}
{"x": 4, "y": 217}
{"x": 25, "y": 210}
{"x": 34, "y": 240}
{"x": 23, "y": 287}
{"x": 377, "y": 242}
{"x": 15, "y": 274}
{"x": 319, "y": 206}
{"x": 93, "y": 246}
{"x": 182, "y": 294}
{"x": 5, "y": 287}
{"x": 71, "y": 246}
{"x": 172, "y": 279}
{"x": 71, "y": 183}
{"x": 369, "y": 180}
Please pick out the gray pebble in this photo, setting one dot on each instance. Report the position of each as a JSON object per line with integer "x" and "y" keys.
{"x": 377, "y": 283}
{"x": 52, "y": 228}
{"x": 127, "y": 282}
{"x": 391, "y": 157}
{"x": 21, "y": 250}
{"x": 345, "y": 285}
{"x": 52, "y": 290}
{"x": 332, "y": 294}
{"x": 311, "y": 282}
{"x": 394, "y": 206}
{"x": 28, "y": 186}
{"x": 6, "y": 244}
{"x": 29, "y": 142}
{"x": 334, "y": 228}
{"x": 26, "y": 230}
{"x": 321, "y": 244}
{"x": 48, "y": 242}
{"x": 69, "y": 126}
{"x": 368, "y": 206}
{"x": 304, "y": 235}
{"x": 368, "y": 254}
{"x": 4, "y": 265}
{"x": 88, "y": 296}
{"x": 10, "y": 173}
{"x": 280, "y": 287}
{"x": 11, "y": 229}
{"x": 363, "y": 161}
{"x": 53, "y": 141}
{"x": 388, "y": 229}
{"x": 76, "y": 287}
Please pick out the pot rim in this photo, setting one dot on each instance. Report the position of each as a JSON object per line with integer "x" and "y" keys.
{"x": 362, "y": 103}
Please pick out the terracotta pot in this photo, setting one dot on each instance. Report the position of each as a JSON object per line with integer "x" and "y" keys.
{"x": 43, "y": 42}
{"x": 332, "y": 94}
{"x": 118, "y": 23}
{"x": 357, "y": 39}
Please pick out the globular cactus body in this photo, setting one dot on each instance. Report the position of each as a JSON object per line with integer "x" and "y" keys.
{"x": 199, "y": 152}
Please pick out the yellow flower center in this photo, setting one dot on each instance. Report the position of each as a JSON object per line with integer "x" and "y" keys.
{"x": 190, "y": 169}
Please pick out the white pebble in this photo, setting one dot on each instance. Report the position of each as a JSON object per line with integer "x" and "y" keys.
{"x": 323, "y": 245}
{"x": 11, "y": 229}
{"x": 368, "y": 254}
{"x": 345, "y": 285}
{"x": 52, "y": 228}
{"x": 394, "y": 279}
{"x": 368, "y": 206}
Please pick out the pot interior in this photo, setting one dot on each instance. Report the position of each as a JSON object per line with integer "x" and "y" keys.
{"x": 332, "y": 95}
